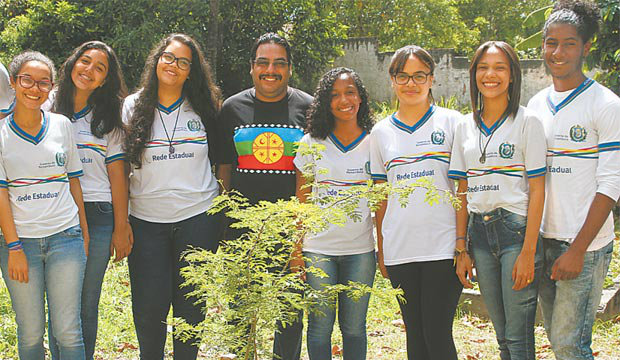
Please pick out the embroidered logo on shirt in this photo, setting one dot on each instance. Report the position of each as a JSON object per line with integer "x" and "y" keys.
{"x": 438, "y": 137}
{"x": 61, "y": 158}
{"x": 193, "y": 125}
{"x": 578, "y": 133}
{"x": 506, "y": 150}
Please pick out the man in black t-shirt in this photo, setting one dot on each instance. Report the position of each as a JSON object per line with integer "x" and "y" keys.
{"x": 257, "y": 129}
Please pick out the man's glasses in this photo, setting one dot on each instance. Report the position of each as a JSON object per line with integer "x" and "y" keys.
{"x": 27, "y": 82}
{"x": 182, "y": 63}
{"x": 264, "y": 63}
{"x": 419, "y": 78}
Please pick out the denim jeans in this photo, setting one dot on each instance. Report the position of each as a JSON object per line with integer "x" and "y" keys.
{"x": 56, "y": 269}
{"x": 100, "y": 219}
{"x": 154, "y": 271}
{"x": 496, "y": 242}
{"x": 569, "y": 306}
{"x": 351, "y": 314}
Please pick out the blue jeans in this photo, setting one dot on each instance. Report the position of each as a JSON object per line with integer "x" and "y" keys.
{"x": 56, "y": 268}
{"x": 351, "y": 314}
{"x": 569, "y": 306}
{"x": 100, "y": 219}
{"x": 154, "y": 270}
{"x": 496, "y": 242}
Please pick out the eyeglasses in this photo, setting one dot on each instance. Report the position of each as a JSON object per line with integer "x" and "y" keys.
{"x": 169, "y": 58}
{"x": 27, "y": 82}
{"x": 419, "y": 78}
{"x": 264, "y": 63}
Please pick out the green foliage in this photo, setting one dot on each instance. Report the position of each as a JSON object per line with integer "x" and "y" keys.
{"x": 430, "y": 24}
{"x": 605, "y": 53}
{"x": 247, "y": 283}
{"x": 132, "y": 28}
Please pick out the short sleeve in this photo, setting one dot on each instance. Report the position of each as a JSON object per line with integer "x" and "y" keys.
{"x": 458, "y": 167}
{"x": 128, "y": 107}
{"x": 73, "y": 165}
{"x": 7, "y": 94}
{"x": 301, "y": 160}
{"x": 225, "y": 152}
{"x": 377, "y": 167}
{"x": 534, "y": 147}
{"x": 114, "y": 150}
{"x": 607, "y": 122}
{"x": 3, "y": 180}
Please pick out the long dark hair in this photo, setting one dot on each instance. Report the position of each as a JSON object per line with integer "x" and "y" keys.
{"x": 105, "y": 101}
{"x": 514, "y": 88}
{"x": 199, "y": 89}
{"x": 320, "y": 120}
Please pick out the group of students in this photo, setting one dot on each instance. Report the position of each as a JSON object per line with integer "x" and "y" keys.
{"x": 536, "y": 184}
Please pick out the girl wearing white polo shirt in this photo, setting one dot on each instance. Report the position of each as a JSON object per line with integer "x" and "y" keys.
{"x": 340, "y": 119}
{"x": 45, "y": 236}
{"x": 499, "y": 160}
{"x": 170, "y": 123}
{"x": 416, "y": 243}
{"x": 90, "y": 92}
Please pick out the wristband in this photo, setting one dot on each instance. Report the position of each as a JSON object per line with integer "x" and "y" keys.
{"x": 15, "y": 245}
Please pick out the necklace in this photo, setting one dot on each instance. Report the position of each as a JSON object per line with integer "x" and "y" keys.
{"x": 483, "y": 151}
{"x": 170, "y": 146}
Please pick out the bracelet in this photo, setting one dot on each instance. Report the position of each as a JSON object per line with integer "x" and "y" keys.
{"x": 460, "y": 238}
{"x": 15, "y": 245}
{"x": 458, "y": 252}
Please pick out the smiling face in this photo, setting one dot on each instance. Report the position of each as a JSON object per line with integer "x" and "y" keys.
{"x": 90, "y": 70}
{"x": 345, "y": 99}
{"x": 169, "y": 75}
{"x": 270, "y": 72}
{"x": 493, "y": 75}
{"x": 411, "y": 93}
{"x": 564, "y": 51}
{"x": 33, "y": 97}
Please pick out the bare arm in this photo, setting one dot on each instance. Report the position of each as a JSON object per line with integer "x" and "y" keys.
{"x": 18, "y": 264}
{"x": 523, "y": 271}
{"x": 223, "y": 173}
{"x": 379, "y": 216}
{"x": 569, "y": 265}
{"x": 464, "y": 265}
{"x": 122, "y": 237}
{"x": 76, "y": 193}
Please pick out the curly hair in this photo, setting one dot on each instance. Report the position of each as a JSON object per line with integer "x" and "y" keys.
{"x": 105, "y": 101}
{"x": 320, "y": 120}
{"x": 21, "y": 59}
{"x": 583, "y": 15}
{"x": 199, "y": 89}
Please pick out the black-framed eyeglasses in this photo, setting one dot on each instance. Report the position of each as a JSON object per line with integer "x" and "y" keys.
{"x": 264, "y": 63}
{"x": 419, "y": 78}
{"x": 169, "y": 58}
{"x": 27, "y": 82}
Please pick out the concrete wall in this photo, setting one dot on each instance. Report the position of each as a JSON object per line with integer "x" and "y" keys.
{"x": 451, "y": 72}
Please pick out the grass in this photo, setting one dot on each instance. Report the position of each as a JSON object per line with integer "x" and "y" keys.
{"x": 474, "y": 337}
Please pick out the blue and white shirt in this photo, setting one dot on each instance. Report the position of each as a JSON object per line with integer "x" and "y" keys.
{"x": 515, "y": 150}
{"x": 582, "y": 127}
{"x": 7, "y": 95}
{"x": 346, "y": 166}
{"x": 418, "y": 232}
{"x": 172, "y": 186}
{"x": 36, "y": 170}
{"x": 95, "y": 155}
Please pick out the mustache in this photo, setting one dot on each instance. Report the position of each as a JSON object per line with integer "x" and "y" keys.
{"x": 263, "y": 76}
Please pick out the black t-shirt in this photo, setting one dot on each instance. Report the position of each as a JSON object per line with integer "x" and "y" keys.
{"x": 258, "y": 138}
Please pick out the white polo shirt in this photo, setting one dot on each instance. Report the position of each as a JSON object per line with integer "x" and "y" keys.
{"x": 36, "y": 170}
{"x": 418, "y": 232}
{"x": 95, "y": 155}
{"x": 346, "y": 166}
{"x": 515, "y": 149}
{"x": 170, "y": 187}
{"x": 583, "y": 134}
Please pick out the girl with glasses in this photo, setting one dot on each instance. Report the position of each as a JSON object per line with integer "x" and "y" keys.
{"x": 170, "y": 126}
{"x": 416, "y": 243}
{"x": 90, "y": 92}
{"x": 499, "y": 160}
{"x": 44, "y": 239}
